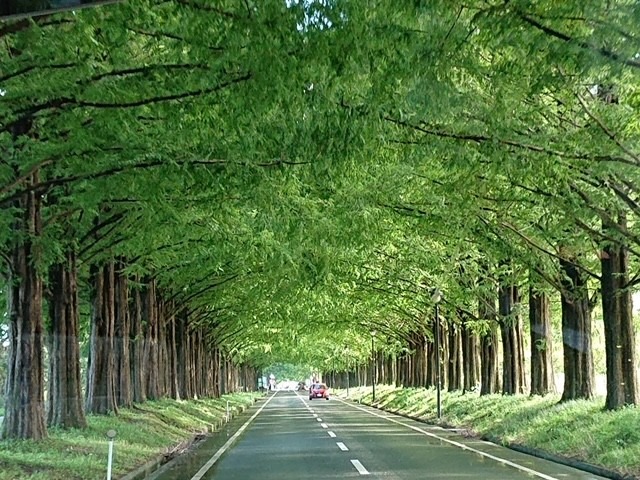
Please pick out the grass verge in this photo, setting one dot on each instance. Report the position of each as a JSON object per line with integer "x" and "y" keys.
{"x": 143, "y": 433}
{"x": 578, "y": 430}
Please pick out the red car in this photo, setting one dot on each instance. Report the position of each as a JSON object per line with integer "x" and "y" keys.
{"x": 318, "y": 390}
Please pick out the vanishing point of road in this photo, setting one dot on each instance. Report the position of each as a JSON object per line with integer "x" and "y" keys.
{"x": 285, "y": 437}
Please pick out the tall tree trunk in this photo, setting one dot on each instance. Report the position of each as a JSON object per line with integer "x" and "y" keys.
{"x": 101, "y": 377}
{"x": 222, "y": 375}
{"x": 190, "y": 366}
{"x": 513, "y": 379}
{"x": 576, "y": 334}
{"x": 138, "y": 375}
{"x": 542, "y": 377}
{"x": 445, "y": 327}
{"x": 173, "y": 355}
{"x": 24, "y": 388}
{"x": 122, "y": 353}
{"x": 151, "y": 350}
{"x": 619, "y": 334}
{"x": 163, "y": 364}
{"x": 432, "y": 362}
{"x": 182, "y": 354}
{"x": 454, "y": 364}
{"x": 215, "y": 358}
{"x": 66, "y": 406}
{"x": 400, "y": 367}
{"x": 470, "y": 358}
{"x": 419, "y": 362}
{"x": 489, "y": 342}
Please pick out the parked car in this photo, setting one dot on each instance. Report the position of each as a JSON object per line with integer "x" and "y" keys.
{"x": 318, "y": 390}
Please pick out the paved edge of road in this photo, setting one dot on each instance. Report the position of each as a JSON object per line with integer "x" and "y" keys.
{"x": 569, "y": 462}
{"x": 207, "y": 466}
{"x": 154, "y": 465}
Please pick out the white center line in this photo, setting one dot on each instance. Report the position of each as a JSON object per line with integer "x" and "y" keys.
{"x": 319, "y": 419}
{"x": 324, "y": 425}
{"x": 342, "y": 446}
{"x": 315, "y": 415}
{"x": 360, "y": 467}
{"x": 331, "y": 434}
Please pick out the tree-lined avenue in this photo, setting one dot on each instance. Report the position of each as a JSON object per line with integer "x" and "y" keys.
{"x": 194, "y": 190}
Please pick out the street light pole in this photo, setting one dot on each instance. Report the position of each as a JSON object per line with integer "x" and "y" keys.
{"x": 436, "y": 298}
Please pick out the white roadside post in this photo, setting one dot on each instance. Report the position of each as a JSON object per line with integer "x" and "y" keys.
{"x": 228, "y": 414}
{"x": 111, "y": 434}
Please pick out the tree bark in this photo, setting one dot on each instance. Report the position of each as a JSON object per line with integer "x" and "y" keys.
{"x": 222, "y": 375}
{"x": 182, "y": 354}
{"x": 454, "y": 364}
{"x": 173, "y": 355}
{"x": 122, "y": 352}
{"x": 163, "y": 364}
{"x": 24, "y": 387}
{"x": 619, "y": 334}
{"x": 542, "y": 377}
{"x": 470, "y": 358}
{"x": 513, "y": 379}
{"x": 66, "y": 405}
{"x": 215, "y": 358}
{"x": 419, "y": 362}
{"x": 489, "y": 343}
{"x": 151, "y": 350}
{"x": 138, "y": 374}
{"x": 101, "y": 377}
{"x": 576, "y": 334}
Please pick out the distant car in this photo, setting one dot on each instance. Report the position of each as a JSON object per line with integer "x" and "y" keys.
{"x": 318, "y": 390}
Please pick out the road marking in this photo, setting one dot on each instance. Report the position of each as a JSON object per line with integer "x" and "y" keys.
{"x": 324, "y": 425}
{"x": 319, "y": 419}
{"x": 456, "y": 444}
{"x": 315, "y": 414}
{"x": 360, "y": 467}
{"x": 342, "y": 446}
{"x": 331, "y": 434}
{"x": 205, "y": 468}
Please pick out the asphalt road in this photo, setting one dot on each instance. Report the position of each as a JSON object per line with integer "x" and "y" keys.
{"x": 288, "y": 437}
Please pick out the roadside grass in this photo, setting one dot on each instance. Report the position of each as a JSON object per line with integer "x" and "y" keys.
{"x": 144, "y": 432}
{"x": 577, "y": 430}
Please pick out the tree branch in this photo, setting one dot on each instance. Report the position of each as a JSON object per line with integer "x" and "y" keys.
{"x": 477, "y": 138}
{"x": 612, "y": 136}
{"x": 582, "y": 44}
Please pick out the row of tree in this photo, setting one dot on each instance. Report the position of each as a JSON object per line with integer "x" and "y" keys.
{"x": 186, "y": 184}
{"x": 511, "y": 153}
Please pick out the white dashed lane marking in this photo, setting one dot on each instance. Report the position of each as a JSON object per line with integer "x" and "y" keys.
{"x": 331, "y": 434}
{"x": 360, "y": 467}
{"x": 324, "y": 425}
{"x": 342, "y": 446}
